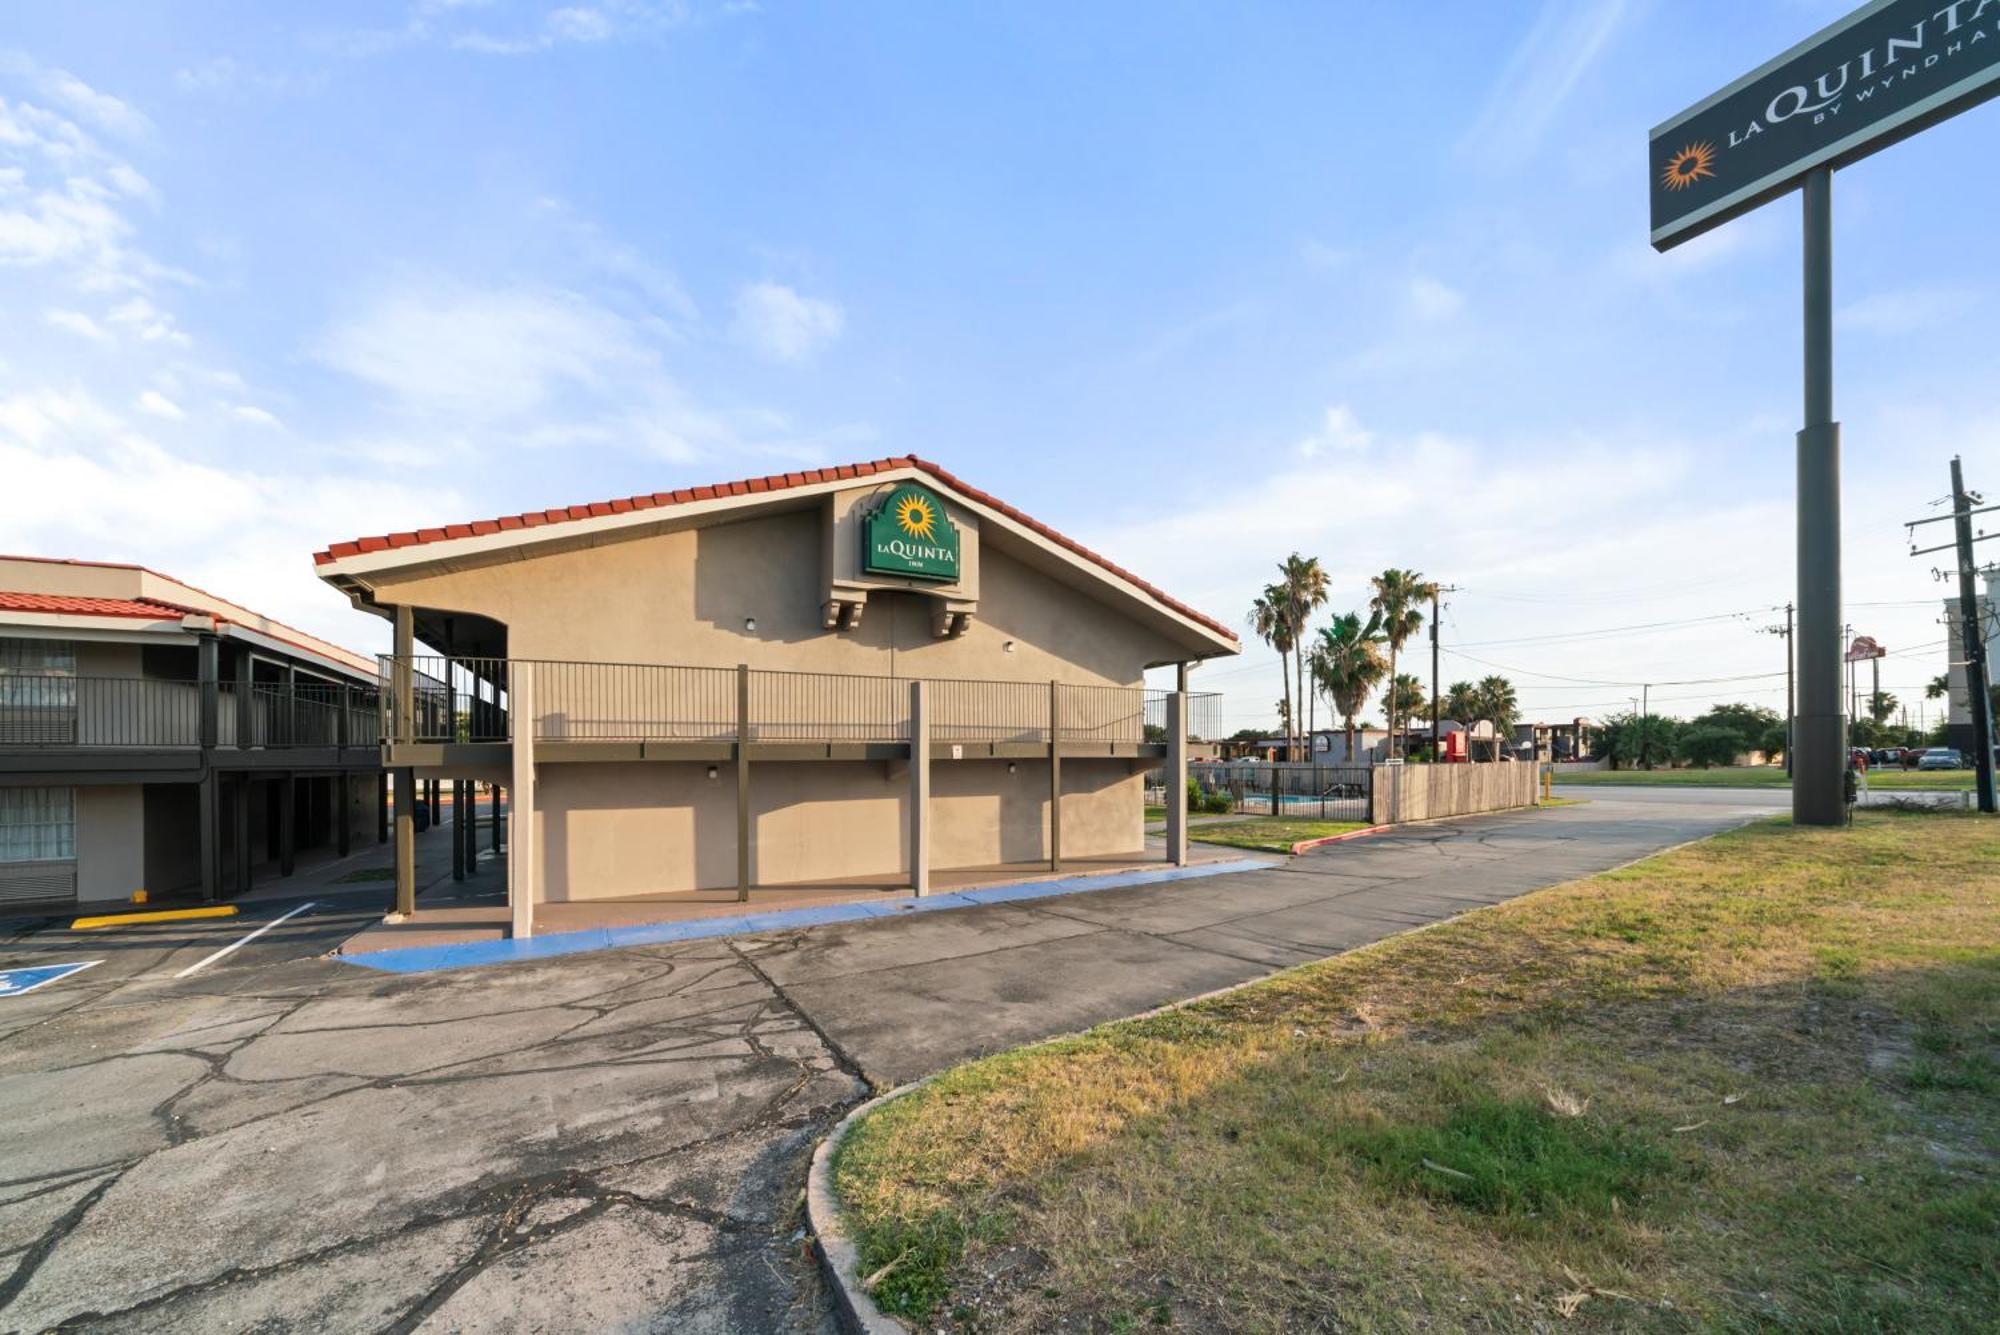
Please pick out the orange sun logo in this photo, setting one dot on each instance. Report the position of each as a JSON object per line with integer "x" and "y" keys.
{"x": 1691, "y": 164}
{"x": 916, "y": 517}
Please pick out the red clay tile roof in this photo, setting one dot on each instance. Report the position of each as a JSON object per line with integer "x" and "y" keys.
{"x": 150, "y": 608}
{"x": 748, "y": 487}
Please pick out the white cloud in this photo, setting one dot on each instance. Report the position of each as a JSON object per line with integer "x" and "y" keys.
{"x": 776, "y": 322}
{"x": 1432, "y": 299}
{"x": 1341, "y": 432}
{"x": 83, "y": 482}
{"x": 255, "y": 416}
{"x": 159, "y": 405}
{"x": 1566, "y": 40}
{"x": 484, "y": 355}
{"x": 101, "y": 109}
{"x": 146, "y": 321}
{"x": 76, "y": 322}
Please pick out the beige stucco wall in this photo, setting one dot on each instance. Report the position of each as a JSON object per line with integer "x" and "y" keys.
{"x": 683, "y": 598}
{"x": 110, "y": 841}
{"x": 617, "y": 830}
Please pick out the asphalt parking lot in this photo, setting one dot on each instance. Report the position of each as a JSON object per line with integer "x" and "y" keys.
{"x": 615, "y": 1140}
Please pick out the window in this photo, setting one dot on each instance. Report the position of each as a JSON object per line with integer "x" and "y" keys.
{"x": 37, "y": 824}
{"x": 37, "y": 674}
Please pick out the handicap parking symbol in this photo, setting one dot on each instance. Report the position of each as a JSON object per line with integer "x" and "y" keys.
{"x": 19, "y": 982}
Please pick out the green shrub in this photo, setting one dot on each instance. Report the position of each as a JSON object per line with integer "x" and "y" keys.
{"x": 1219, "y": 803}
{"x": 1195, "y": 797}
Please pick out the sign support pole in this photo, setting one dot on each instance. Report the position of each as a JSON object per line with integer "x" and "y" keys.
{"x": 1819, "y": 777}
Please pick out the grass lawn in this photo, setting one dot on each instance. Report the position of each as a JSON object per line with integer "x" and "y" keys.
{"x": 1154, "y": 813}
{"x": 1270, "y": 836}
{"x": 1749, "y": 1084}
{"x": 1766, "y": 776}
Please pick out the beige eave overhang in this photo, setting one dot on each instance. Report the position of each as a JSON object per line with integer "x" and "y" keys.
{"x": 355, "y": 574}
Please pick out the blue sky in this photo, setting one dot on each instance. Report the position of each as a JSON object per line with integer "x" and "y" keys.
{"x": 1200, "y": 284}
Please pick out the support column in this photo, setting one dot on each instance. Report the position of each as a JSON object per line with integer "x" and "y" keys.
{"x": 496, "y": 820}
{"x": 742, "y": 782}
{"x": 208, "y": 657}
{"x": 288, "y": 815}
{"x": 406, "y": 842}
{"x": 522, "y": 854}
{"x": 920, "y": 791}
{"x": 1055, "y": 776}
{"x": 1177, "y": 778}
{"x": 382, "y": 807}
{"x": 458, "y": 829}
{"x": 437, "y": 805}
{"x": 240, "y": 830}
{"x": 341, "y": 797}
{"x": 1819, "y": 777}
{"x": 246, "y": 700}
{"x": 403, "y": 687}
{"x": 471, "y": 826}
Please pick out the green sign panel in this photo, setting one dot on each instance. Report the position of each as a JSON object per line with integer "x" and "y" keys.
{"x": 1887, "y": 70}
{"x": 910, "y": 535}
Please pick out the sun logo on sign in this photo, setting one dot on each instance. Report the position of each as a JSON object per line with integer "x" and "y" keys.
{"x": 1693, "y": 163}
{"x": 916, "y": 516}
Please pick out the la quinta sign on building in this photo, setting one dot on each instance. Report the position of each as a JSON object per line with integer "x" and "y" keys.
{"x": 910, "y": 535}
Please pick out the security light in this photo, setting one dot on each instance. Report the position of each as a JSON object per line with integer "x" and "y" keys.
{"x": 750, "y": 625}
{"x": 712, "y": 771}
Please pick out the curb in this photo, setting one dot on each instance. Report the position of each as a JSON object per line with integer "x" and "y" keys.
{"x": 839, "y": 1259}
{"x": 1307, "y": 845}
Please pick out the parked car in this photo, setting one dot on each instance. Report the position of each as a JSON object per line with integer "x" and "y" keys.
{"x": 1941, "y": 757}
{"x": 1857, "y": 758}
{"x": 1885, "y": 757}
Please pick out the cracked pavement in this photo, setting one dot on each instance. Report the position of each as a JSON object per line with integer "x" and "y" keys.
{"x": 598, "y": 1141}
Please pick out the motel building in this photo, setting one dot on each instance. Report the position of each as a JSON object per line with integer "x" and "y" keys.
{"x": 157, "y": 738}
{"x": 852, "y": 677}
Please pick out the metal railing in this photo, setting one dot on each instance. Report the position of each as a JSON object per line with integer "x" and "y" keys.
{"x": 1304, "y": 792}
{"x": 465, "y": 699}
{"x": 58, "y": 710}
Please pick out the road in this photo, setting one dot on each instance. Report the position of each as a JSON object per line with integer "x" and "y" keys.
{"x": 605, "y": 1140}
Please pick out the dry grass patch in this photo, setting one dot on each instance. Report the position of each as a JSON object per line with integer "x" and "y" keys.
{"x": 1271, "y": 836}
{"x": 1747, "y": 1083}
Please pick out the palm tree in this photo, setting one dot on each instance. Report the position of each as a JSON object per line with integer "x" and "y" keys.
{"x": 1881, "y": 705}
{"x": 1938, "y": 687}
{"x": 1498, "y": 702}
{"x": 1347, "y": 664}
{"x": 1398, "y": 600}
{"x": 1404, "y": 699}
{"x": 1305, "y": 584}
{"x": 1461, "y": 705}
{"x": 1270, "y": 619}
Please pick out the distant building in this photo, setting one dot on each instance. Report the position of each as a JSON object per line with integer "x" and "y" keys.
{"x": 156, "y": 737}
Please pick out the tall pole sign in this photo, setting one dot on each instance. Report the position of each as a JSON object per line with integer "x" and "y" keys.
{"x": 1886, "y": 71}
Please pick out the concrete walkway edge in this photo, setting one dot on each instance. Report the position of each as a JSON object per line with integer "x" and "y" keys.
{"x": 471, "y": 954}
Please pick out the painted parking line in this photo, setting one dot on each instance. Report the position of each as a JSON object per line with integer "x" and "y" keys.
{"x": 20, "y": 982}
{"x": 472, "y": 954}
{"x": 241, "y": 942}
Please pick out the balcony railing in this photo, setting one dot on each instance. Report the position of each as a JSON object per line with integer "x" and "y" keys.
{"x": 61, "y": 711}
{"x": 467, "y": 700}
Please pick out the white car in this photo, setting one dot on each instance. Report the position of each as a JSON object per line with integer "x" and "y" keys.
{"x": 1941, "y": 757}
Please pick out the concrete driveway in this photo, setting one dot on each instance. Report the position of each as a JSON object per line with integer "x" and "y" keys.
{"x": 612, "y": 1140}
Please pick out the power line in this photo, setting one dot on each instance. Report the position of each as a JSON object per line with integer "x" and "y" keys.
{"x": 1608, "y": 631}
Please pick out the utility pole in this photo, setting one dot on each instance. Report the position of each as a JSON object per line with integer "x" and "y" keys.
{"x": 1646, "y": 727}
{"x": 1437, "y": 609}
{"x": 1972, "y": 635}
{"x": 1791, "y": 678}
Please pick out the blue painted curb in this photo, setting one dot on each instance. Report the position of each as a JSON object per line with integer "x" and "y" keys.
{"x": 473, "y": 954}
